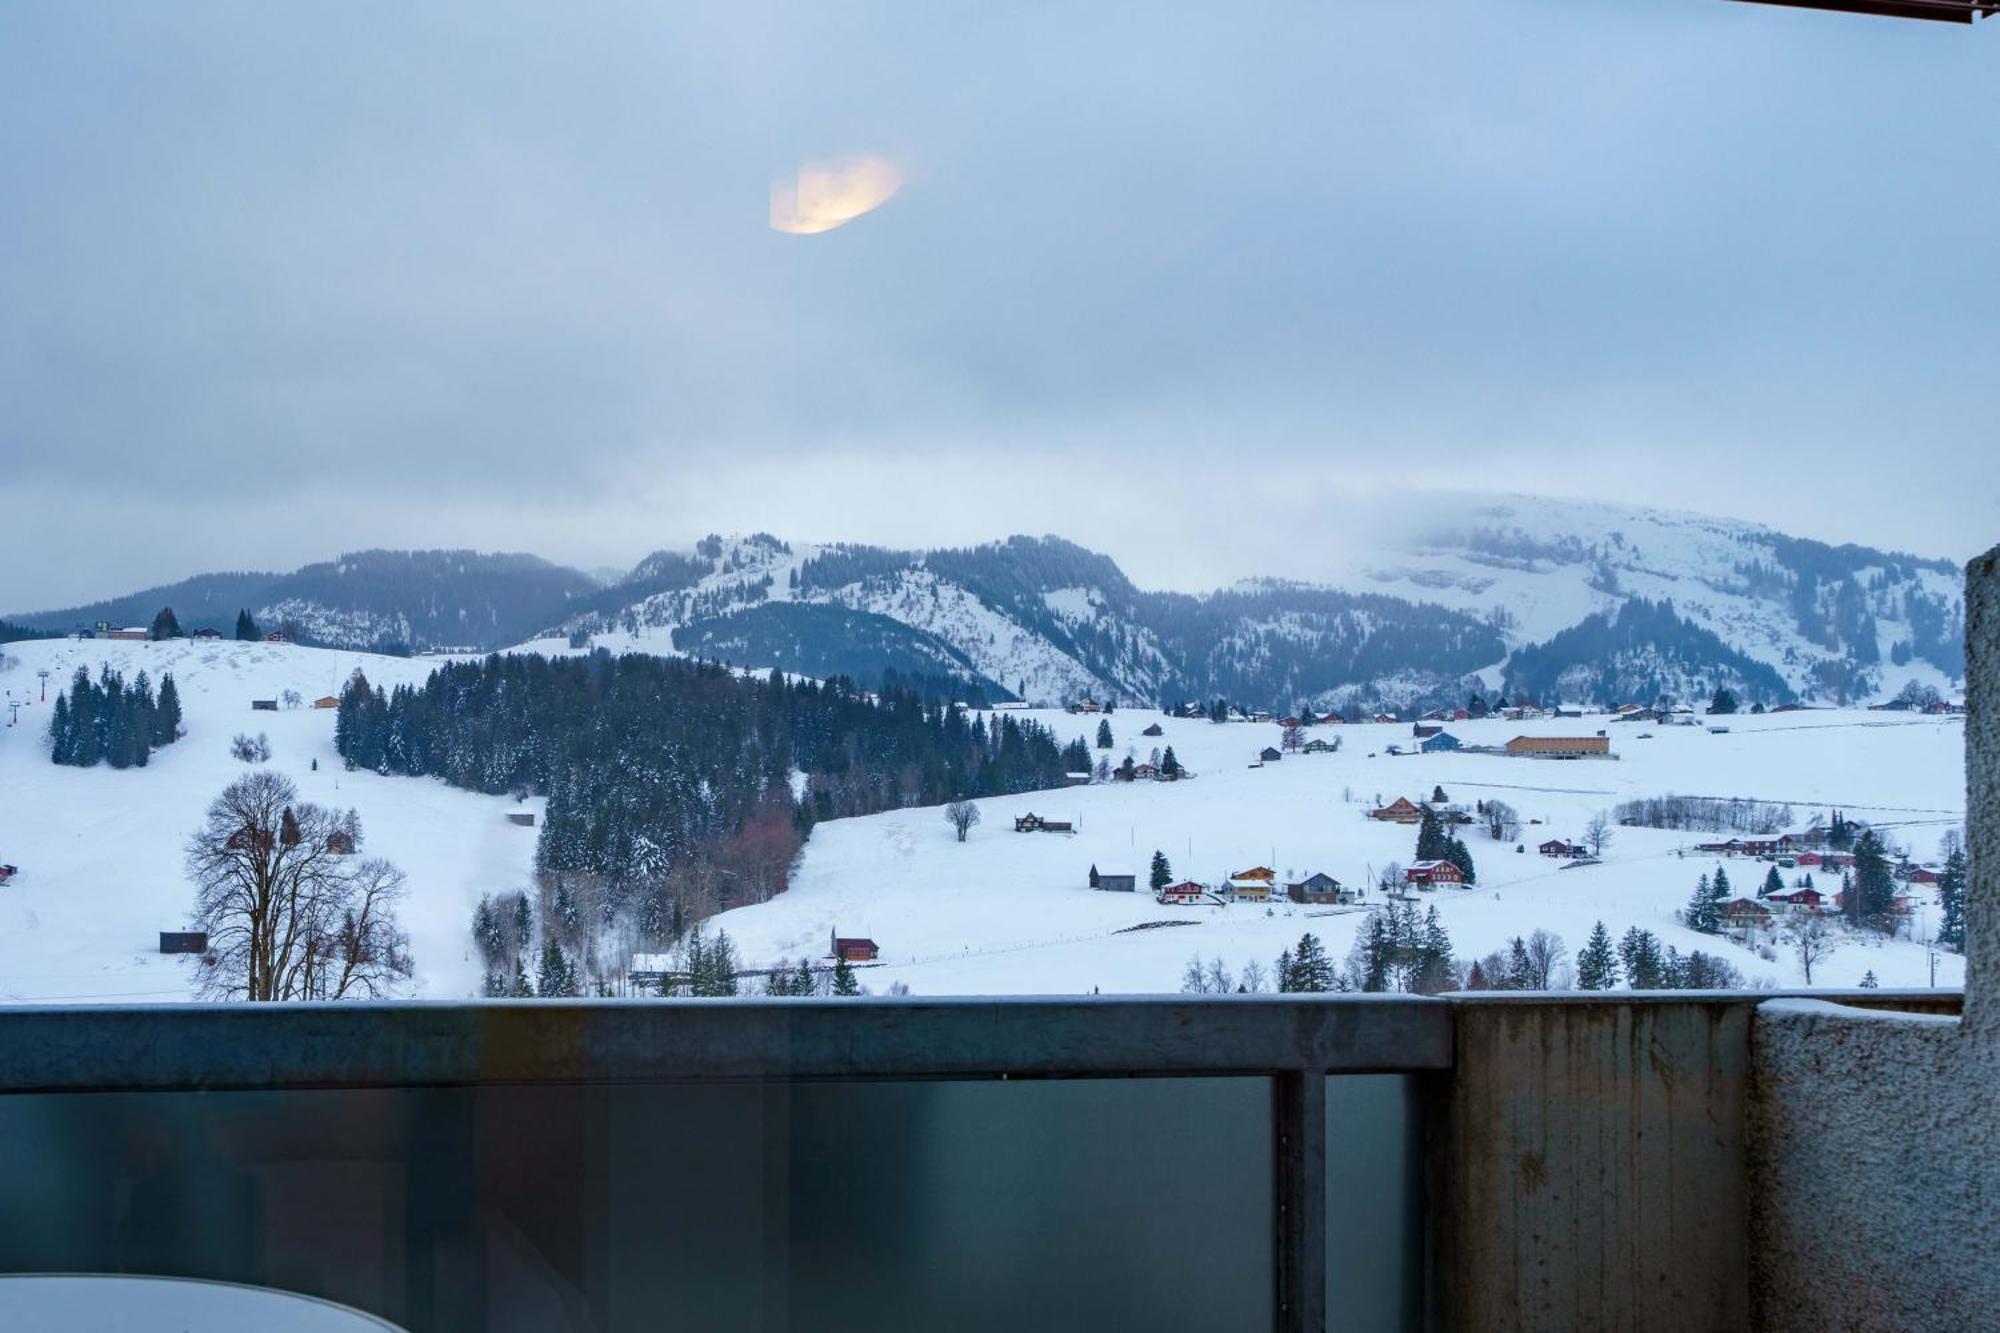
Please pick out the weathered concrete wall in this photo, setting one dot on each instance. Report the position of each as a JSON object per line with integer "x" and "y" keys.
{"x": 1589, "y": 1166}
{"x": 1875, "y": 1176}
{"x": 1982, "y": 799}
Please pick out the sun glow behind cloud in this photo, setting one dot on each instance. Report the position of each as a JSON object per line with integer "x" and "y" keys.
{"x": 823, "y": 195}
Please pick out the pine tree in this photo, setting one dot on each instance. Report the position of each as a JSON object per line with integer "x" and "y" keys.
{"x": 721, "y": 966}
{"x": 1456, "y": 852}
{"x": 1773, "y": 883}
{"x": 1432, "y": 842}
{"x": 1520, "y": 968}
{"x": 557, "y": 977}
{"x": 62, "y": 733}
{"x": 1162, "y": 874}
{"x": 1645, "y": 968}
{"x": 1868, "y": 981}
{"x": 1437, "y": 795}
{"x": 1311, "y": 972}
{"x": 1170, "y": 766}
{"x": 1433, "y": 973}
{"x": 1951, "y": 902}
{"x": 844, "y": 982}
{"x": 520, "y": 989}
{"x": 1370, "y": 958}
{"x": 1597, "y": 962}
{"x": 1724, "y": 700}
{"x": 165, "y": 626}
{"x": 1104, "y": 734}
{"x": 1873, "y": 893}
{"x": 246, "y": 628}
{"x": 1704, "y": 909}
{"x": 803, "y": 982}
{"x": 167, "y": 712}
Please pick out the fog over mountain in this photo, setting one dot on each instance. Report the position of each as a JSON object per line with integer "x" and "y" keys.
{"x": 1219, "y": 292}
{"x": 1554, "y": 600}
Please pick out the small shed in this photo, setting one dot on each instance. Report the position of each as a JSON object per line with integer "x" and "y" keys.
{"x": 854, "y": 949}
{"x": 183, "y": 941}
{"x": 264, "y": 705}
{"x": 1269, "y": 754}
{"x": 1153, "y": 730}
{"x": 1113, "y": 882}
{"x": 326, "y": 701}
{"x": 1441, "y": 740}
{"x": 525, "y": 818}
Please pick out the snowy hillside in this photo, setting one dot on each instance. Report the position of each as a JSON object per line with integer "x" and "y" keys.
{"x": 1835, "y": 622}
{"x": 1012, "y": 913}
{"x": 99, "y": 850}
{"x": 1529, "y": 595}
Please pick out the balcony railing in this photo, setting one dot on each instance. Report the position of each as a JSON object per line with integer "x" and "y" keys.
{"x": 1346, "y": 1162}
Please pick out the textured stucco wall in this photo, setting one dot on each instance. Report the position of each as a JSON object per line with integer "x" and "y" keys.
{"x": 1875, "y": 1138}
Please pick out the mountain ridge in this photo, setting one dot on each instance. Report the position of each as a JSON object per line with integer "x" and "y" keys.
{"x": 1513, "y": 593}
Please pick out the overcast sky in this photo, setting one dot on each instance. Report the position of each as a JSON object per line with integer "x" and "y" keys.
{"x": 1198, "y": 285}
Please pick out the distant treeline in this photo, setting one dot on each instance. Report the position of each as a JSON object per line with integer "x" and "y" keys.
{"x": 675, "y": 779}
{"x": 1706, "y": 814}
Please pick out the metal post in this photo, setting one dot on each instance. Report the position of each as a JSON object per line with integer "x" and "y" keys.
{"x": 1300, "y": 1097}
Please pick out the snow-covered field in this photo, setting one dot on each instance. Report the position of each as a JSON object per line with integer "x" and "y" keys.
{"x": 1011, "y": 913}
{"x": 99, "y": 850}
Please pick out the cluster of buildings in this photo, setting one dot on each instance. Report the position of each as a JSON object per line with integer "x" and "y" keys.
{"x": 1258, "y": 884}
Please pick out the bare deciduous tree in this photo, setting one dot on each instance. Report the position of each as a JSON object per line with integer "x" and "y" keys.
{"x": 289, "y": 916}
{"x": 1546, "y": 955}
{"x": 1813, "y": 940}
{"x": 1503, "y": 822}
{"x": 962, "y": 815}
{"x": 1598, "y": 833}
{"x": 1292, "y": 737}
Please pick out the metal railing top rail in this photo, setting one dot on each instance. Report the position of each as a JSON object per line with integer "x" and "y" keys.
{"x": 277, "y": 1046}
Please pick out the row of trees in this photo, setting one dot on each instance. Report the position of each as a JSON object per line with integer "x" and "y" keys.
{"x": 1397, "y": 950}
{"x": 109, "y": 721}
{"x": 1704, "y": 813}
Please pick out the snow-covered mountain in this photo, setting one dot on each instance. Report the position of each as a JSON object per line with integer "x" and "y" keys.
{"x": 1553, "y": 599}
{"x": 398, "y": 600}
{"x": 1839, "y": 623}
